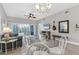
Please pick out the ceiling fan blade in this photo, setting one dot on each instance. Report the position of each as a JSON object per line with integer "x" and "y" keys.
{"x": 34, "y": 17}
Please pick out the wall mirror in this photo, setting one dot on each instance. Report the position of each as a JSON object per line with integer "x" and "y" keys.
{"x": 64, "y": 26}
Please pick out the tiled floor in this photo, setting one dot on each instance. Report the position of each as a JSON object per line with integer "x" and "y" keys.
{"x": 70, "y": 50}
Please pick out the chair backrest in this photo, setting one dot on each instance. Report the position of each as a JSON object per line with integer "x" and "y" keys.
{"x": 62, "y": 44}
{"x": 21, "y": 34}
{"x": 65, "y": 44}
{"x": 38, "y": 46}
{"x": 44, "y": 38}
{"x": 29, "y": 40}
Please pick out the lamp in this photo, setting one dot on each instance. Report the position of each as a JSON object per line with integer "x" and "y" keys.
{"x": 43, "y": 7}
{"x": 6, "y": 29}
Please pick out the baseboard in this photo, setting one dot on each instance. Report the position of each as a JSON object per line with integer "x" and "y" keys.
{"x": 74, "y": 43}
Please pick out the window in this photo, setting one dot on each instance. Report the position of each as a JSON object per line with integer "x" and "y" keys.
{"x": 14, "y": 28}
{"x": 31, "y": 29}
{"x": 27, "y": 29}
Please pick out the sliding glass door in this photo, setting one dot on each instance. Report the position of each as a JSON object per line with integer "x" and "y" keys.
{"x": 27, "y": 29}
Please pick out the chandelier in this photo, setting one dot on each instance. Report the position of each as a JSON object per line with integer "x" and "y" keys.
{"x": 43, "y": 7}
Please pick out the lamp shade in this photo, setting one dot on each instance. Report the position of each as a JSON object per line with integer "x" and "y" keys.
{"x": 6, "y": 30}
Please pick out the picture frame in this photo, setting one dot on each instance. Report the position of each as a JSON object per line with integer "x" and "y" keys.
{"x": 64, "y": 26}
{"x": 46, "y": 26}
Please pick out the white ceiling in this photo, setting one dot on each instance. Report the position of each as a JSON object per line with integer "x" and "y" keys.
{"x": 19, "y": 9}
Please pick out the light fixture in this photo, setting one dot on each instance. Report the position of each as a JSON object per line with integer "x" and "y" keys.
{"x": 43, "y": 7}
{"x": 6, "y": 29}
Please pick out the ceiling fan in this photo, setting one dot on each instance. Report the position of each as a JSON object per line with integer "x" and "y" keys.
{"x": 30, "y": 16}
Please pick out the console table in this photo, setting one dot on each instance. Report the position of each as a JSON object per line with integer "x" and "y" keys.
{"x": 5, "y": 43}
{"x": 11, "y": 44}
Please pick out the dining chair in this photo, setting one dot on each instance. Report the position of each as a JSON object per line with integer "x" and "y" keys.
{"x": 43, "y": 39}
{"x": 60, "y": 48}
{"x": 28, "y": 40}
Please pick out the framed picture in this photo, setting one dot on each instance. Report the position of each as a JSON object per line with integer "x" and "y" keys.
{"x": 64, "y": 26}
{"x": 46, "y": 26}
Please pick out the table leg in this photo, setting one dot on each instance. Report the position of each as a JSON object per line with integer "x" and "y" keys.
{"x": 1, "y": 47}
{"x": 12, "y": 46}
{"x": 54, "y": 41}
{"x": 5, "y": 48}
{"x": 16, "y": 44}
